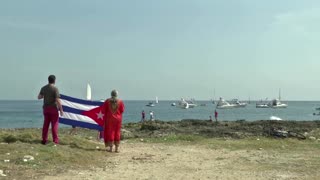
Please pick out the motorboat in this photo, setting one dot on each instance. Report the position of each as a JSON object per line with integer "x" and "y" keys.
{"x": 237, "y": 103}
{"x": 173, "y": 104}
{"x": 262, "y": 104}
{"x": 276, "y": 103}
{"x": 223, "y": 104}
{"x": 186, "y": 104}
{"x": 151, "y": 104}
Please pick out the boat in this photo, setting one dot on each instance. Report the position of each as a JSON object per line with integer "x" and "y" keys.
{"x": 88, "y": 92}
{"x": 262, "y": 104}
{"x": 186, "y": 104}
{"x": 173, "y": 104}
{"x": 223, "y": 104}
{"x": 157, "y": 101}
{"x": 237, "y": 103}
{"x": 150, "y": 104}
{"x": 318, "y": 109}
{"x": 276, "y": 103}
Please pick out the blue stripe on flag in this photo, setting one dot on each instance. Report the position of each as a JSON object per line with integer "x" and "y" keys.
{"x": 80, "y": 124}
{"x": 81, "y": 101}
{"x": 71, "y": 110}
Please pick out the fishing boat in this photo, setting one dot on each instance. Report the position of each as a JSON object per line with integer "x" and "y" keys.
{"x": 237, "y": 104}
{"x": 276, "y": 103}
{"x": 186, "y": 104}
{"x": 223, "y": 104}
{"x": 150, "y": 104}
{"x": 262, "y": 104}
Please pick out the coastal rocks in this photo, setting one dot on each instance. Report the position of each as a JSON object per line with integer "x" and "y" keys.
{"x": 6, "y": 160}
{"x": 1, "y": 173}
{"x": 312, "y": 138}
{"x": 125, "y": 134}
{"x": 27, "y": 158}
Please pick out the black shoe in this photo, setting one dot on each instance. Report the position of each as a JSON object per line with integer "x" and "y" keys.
{"x": 43, "y": 142}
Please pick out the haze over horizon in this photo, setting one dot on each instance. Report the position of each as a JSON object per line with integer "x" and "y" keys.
{"x": 169, "y": 48}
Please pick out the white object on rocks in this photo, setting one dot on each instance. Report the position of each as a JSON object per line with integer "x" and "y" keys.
{"x": 141, "y": 140}
{"x": 7, "y": 160}
{"x": 25, "y": 160}
{"x": 8, "y": 154}
{"x": 312, "y": 138}
{"x": 1, "y": 173}
{"x": 28, "y": 158}
{"x": 258, "y": 139}
{"x": 97, "y": 147}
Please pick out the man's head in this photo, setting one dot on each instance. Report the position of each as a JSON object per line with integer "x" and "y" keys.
{"x": 52, "y": 79}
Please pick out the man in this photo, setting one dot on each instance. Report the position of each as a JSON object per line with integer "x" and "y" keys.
{"x": 51, "y": 104}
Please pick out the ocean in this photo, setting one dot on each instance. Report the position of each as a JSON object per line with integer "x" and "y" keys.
{"x": 28, "y": 114}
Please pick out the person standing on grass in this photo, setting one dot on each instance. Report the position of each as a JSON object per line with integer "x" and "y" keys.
{"x": 216, "y": 115}
{"x": 51, "y": 105}
{"x": 113, "y": 109}
{"x": 143, "y": 116}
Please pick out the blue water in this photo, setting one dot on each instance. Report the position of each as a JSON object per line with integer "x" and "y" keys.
{"x": 26, "y": 114}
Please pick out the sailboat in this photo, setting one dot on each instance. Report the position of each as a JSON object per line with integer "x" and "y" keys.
{"x": 88, "y": 92}
{"x": 157, "y": 101}
{"x": 276, "y": 103}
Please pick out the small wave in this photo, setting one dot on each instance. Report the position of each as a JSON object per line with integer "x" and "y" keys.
{"x": 275, "y": 118}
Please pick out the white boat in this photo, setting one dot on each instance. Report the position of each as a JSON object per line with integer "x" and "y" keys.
{"x": 237, "y": 103}
{"x": 223, "y": 104}
{"x": 173, "y": 104}
{"x": 88, "y": 92}
{"x": 150, "y": 104}
{"x": 262, "y": 104}
{"x": 276, "y": 103}
{"x": 186, "y": 104}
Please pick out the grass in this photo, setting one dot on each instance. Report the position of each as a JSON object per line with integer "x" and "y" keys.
{"x": 80, "y": 152}
{"x": 73, "y": 152}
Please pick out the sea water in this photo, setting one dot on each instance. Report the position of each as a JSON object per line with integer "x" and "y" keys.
{"x": 27, "y": 114}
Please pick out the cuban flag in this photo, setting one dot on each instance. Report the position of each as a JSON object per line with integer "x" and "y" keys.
{"x": 82, "y": 113}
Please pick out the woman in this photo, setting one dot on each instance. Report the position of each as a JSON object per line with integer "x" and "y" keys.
{"x": 113, "y": 109}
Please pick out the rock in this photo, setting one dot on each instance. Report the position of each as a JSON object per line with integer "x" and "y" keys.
{"x": 97, "y": 147}
{"x": 25, "y": 160}
{"x": 312, "y": 138}
{"x": 258, "y": 139}
{"x": 125, "y": 134}
{"x": 28, "y": 157}
{"x": 141, "y": 140}
{"x": 7, "y": 160}
{"x": 8, "y": 154}
{"x": 260, "y": 149}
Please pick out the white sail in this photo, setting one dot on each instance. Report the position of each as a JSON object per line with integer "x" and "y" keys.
{"x": 88, "y": 92}
{"x": 157, "y": 101}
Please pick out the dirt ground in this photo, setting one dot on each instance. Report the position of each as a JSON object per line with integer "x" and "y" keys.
{"x": 175, "y": 161}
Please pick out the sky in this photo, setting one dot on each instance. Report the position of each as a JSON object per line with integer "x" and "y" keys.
{"x": 169, "y": 48}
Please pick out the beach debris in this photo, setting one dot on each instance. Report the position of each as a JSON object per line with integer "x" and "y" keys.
{"x": 312, "y": 138}
{"x": 1, "y": 173}
{"x": 141, "y": 140}
{"x": 28, "y": 158}
{"x": 6, "y": 160}
{"x": 275, "y": 118}
{"x": 258, "y": 139}
{"x": 8, "y": 154}
{"x": 260, "y": 149}
{"x": 97, "y": 147}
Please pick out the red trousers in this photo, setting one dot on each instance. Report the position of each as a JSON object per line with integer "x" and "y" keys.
{"x": 112, "y": 132}
{"x": 51, "y": 115}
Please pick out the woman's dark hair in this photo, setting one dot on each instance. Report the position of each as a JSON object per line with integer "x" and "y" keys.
{"x": 52, "y": 79}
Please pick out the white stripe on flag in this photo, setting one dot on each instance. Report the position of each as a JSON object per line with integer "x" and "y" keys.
{"x": 78, "y": 117}
{"x": 77, "y": 105}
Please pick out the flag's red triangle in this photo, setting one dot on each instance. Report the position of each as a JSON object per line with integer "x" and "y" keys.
{"x": 96, "y": 114}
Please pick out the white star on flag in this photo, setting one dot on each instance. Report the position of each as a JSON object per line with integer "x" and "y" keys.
{"x": 100, "y": 115}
